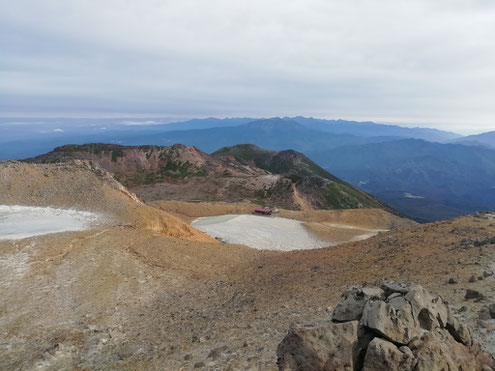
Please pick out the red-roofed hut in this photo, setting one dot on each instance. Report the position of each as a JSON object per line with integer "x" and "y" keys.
{"x": 262, "y": 211}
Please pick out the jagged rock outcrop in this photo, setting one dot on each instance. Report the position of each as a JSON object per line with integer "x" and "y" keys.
{"x": 400, "y": 327}
{"x": 352, "y": 304}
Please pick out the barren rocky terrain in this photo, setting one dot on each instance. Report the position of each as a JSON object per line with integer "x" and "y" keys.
{"x": 85, "y": 186}
{"x": 240, "y": 173}
{"x": 147, "y": 291}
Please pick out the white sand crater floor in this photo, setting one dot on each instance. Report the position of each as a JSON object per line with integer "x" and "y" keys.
{"x": 260, "y": 232}
{"x": 18, "y": 222}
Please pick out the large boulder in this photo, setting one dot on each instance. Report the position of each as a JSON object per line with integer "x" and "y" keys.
{"x": 401, "y": 327}
{"x": 352, "y": 302}
{"x": 328, "y": 348}
{"x": 459, "y": 331}
{"x": 383, "y": 355}
{"x": 405, "y": 314}
{"x": 437, "y": 350}
{"x": 392, "y": 320}
{"x": 429, "y": 309}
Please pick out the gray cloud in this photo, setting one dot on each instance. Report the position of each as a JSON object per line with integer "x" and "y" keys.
{"x": 423, "y": 62}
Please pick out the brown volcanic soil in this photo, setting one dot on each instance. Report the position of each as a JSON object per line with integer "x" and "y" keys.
{"x": 127, "y": 297}
{"x": 230, "y": 189}
{"x": 121, "y": 297}
{"x": 85, "y": 186}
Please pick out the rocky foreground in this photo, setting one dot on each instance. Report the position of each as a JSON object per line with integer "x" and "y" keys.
{"x": 393, "y": 327}
{"x": 147, "y": 291}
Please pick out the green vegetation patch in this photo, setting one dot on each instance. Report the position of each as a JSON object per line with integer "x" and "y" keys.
{"x": 246, "y": 152}
{"x": 317, "y": 170}
{"x": 340, "y": 196}
{"x": 170, "y": 169}
{"x": 116, "y": 153}
{"x": 180, "y": 170}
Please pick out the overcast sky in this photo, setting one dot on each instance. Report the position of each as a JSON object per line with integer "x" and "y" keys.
{"x": 424, "y": 62}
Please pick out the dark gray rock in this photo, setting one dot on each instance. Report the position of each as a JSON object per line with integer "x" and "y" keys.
{"x": 491, "y": 309}
{"x": 391, "y": 287}
{"x": 473, "y": 295}
{"x": 351, "y": 304}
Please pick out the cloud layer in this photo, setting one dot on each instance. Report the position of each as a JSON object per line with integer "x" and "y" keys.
{"x": 428, "y": 62}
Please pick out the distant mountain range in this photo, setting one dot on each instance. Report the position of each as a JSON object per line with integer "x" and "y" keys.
{"x": 23, "y": 138}
{"x": 371, "y": 129}
{"x": 483, "y": 139}
{"x": 276, "y": 134}
{"x": 426, "y": 174}
{"x": 427, "y": 181}
{"x": 245, "y": 172}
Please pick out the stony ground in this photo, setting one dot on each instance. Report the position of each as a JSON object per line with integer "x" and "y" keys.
{"x": 129, "y": 296}
{"x": 126, "y": 298}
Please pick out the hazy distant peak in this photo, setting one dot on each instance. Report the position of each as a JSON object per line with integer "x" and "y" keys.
{"x": 275, "y": 123}
{"x": 484, "y": 139}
